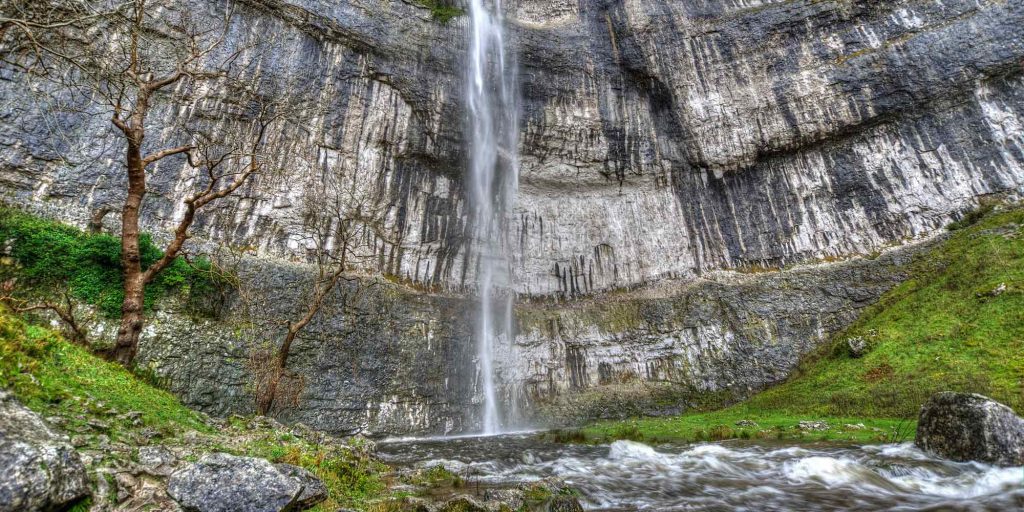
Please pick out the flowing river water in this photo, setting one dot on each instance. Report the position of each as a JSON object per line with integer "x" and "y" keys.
{"x": 725, "y": 476}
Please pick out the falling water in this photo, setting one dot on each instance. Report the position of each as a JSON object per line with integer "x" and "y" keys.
{"x": 493, "y": 168}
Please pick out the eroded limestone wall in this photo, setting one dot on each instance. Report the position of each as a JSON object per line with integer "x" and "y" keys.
{"x": 661, "y": 142}
{"x": 659, "y": 139}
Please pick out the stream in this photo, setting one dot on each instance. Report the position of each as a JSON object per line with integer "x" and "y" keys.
{"x": 735, "y": 475}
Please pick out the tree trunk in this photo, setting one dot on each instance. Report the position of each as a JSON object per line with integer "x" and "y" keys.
{"x": 127, "y": 344}
{"x": 265, "y": 402}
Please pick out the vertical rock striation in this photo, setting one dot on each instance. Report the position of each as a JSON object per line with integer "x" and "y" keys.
{"x": 661, "y": 142}
{"x": 659, "y": 139}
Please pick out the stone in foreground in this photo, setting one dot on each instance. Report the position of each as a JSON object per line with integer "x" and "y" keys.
{"x": 225, "y": 483}
{"x": 969, "y": 427}
{"x": 313, "y": 490}
{"x": 39, "y": 469}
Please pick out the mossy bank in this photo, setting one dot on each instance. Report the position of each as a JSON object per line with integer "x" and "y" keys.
{"x": 956, "y": 323}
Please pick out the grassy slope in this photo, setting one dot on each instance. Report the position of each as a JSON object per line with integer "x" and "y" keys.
{"x": 60, "y": 380}
{"x": 956, "y": 324}
{"x": 56, "y": 378}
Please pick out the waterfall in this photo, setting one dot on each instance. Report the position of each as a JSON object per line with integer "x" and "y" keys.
{"x": 493, "y": 176}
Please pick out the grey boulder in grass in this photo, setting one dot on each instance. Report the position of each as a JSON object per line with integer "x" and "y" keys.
{"x": 313, "y": 490}
{"x": 39, "y": 469}
{"x": 220, "y": 482}
{"x": 969, "y": 427}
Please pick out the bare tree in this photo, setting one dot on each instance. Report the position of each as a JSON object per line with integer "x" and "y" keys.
{"x": 343, "y": 212}
{"x": 64, "y": 309}
{"x": 119, "y": 60}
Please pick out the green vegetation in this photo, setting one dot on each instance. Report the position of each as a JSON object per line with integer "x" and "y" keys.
{"x": 973, "y": 217}
{"x": 741, "y": 422}
{"x": 59, "y": 379}
{"x": 353, "y": 478}
{"x": 956, "y": 324}
{"x": 537, "y": 494}
{"x": 46, "y": 256}
{"x": 440, "y": 12}
{"x": 435, "y": 477}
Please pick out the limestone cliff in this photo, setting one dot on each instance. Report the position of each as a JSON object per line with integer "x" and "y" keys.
{"x": 661, "y": 141}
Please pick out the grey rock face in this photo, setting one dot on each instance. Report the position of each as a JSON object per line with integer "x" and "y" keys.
{"x": 812, "y": 425}
{"x": 727, "y": 333}
{"x": 661, "y": 142}
{"x": 398, "y": 361}
{"x": 970, "y": 427}
{"x": 313, "y": 490}
{"x": 39, "y": 470}
{"x": 156, "y": 460}
{"x": 224, "y": 483}
{"x": 658, "y": 139}
{"x": 857, "y": 346}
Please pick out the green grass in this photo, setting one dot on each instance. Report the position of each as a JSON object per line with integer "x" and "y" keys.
{"x": 435, "y": 477}
{"x": 956, "y": 324}
{"x": 353, "y": 478}
{"x": 46, "y": 257}
{"x": 723, "y": 425}
{"x": 58, "y": 378}
{"x": 440, "y": 12}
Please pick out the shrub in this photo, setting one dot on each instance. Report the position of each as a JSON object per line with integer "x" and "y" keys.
{"x": 973, "y": 216}
{"x": 440, "y": 12}
{"x": 51, "y": 256}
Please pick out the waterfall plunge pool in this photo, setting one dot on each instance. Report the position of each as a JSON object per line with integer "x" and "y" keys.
{"x": 732, "y": 475}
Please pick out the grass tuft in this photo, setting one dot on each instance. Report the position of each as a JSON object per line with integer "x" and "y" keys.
{"x": 59, "y": 378}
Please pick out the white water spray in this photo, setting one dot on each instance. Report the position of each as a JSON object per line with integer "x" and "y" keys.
{"x": 492, "y": 180}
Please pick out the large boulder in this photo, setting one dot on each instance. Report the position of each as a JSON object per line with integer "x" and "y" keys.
{"x": 39, "y": 469}
{"x": 225, "y": 483}
{"x": 970, "y": 427}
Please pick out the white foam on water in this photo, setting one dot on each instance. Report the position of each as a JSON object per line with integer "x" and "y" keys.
{"x": 903, "y": 450}
{"x": 828, "y": 470}
{"x": 633, "y": 450}
{"x": 990, "y": 480}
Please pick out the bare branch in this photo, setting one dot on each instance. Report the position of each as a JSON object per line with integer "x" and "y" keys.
{"x": 164, "y": 153}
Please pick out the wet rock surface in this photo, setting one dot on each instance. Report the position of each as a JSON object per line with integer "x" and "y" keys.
{"x": 39, "y": 469}
{"x": 397, "y": 362}
{"x": 970, "y": 427}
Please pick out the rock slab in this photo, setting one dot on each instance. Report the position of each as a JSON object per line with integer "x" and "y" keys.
{"x": 220, "y": 482}
{"x": 39, "y": 469}
{"x": 970, "y": 427}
